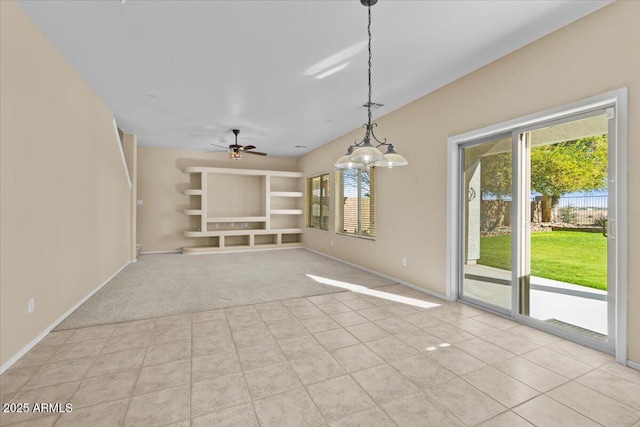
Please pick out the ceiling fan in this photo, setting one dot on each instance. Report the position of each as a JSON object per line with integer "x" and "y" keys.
{"x": 236, "y": 151}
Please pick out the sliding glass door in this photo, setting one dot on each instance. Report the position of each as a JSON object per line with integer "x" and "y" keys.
{"x": 535, "y": 205}
{"x": 565, "y": 202}
{"x": 486, "y": 212}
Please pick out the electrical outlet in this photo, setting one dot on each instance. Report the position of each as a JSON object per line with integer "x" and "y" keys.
{"x": 404, "y": 262}
{"x": 30, "y": 305}
{"x": 139, "y": 202}
{"x": 332, "y": 243}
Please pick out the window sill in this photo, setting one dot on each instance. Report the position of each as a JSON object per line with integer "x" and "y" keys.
{"x": 317, "y": 229}
{"x": 357, "y": 236}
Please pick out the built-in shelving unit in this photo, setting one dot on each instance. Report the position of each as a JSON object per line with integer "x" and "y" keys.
{"x": 263, "y": 211}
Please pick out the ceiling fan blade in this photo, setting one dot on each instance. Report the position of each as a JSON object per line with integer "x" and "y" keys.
{"x": 255, "y": 152}
{"x": 248, "y": 147}
{"x": 220, "y": 146}
{"x": 217, "y": 151}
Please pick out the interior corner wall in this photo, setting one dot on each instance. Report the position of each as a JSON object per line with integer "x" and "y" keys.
{"x": 130, "y": 147}
{"x": 64, "y": 207}
{"x": 161, "y": 181}
{"x": 591, "y": 56}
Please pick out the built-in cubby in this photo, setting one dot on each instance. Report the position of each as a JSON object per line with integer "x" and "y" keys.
{"x": 290, "y": 238}
{"x": 265, "y": 239}
{"x": 243, "y": 209}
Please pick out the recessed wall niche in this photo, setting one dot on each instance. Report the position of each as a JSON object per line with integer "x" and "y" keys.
{"x": 235, "y": 195}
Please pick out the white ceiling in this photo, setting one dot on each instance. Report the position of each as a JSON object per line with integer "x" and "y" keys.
{"x": 182, "y": 74}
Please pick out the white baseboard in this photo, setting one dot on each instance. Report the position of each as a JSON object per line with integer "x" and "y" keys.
{"x": 44, "y": 333}
{"x": 161, "y": 252}
{"x": 402, "y": 282}
{"x": 634, "y": 365}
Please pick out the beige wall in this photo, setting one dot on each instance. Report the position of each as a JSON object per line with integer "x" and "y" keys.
{"x": 64, "y": 193}
{"x": 161, "y": 181}
{"x": 596, "y": 54}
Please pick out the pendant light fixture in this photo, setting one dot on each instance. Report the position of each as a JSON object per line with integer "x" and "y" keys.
{"x": 364, "y": 153}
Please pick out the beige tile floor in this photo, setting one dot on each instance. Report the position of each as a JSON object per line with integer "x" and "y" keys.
{"x": 343, "y": 359}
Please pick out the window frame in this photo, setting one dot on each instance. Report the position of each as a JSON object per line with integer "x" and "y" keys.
{"x": 340, "y": 200}
{"x": 325, "y": 201}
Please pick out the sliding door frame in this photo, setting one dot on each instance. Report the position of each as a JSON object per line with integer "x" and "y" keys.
{"x": 521, "y": 212}
{"x": 461, "y": 225}
{"x": 618, "y": 180}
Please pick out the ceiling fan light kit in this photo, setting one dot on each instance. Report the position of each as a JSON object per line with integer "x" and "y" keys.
{"x": 236, "y": 151}
{"x": 235, "y": 154}
{"x": 364, "y": 153}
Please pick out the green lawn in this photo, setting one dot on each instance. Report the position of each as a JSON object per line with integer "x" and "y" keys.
{"x": 568, "y": 256}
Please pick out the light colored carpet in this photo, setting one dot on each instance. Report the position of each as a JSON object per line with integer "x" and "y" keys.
{"x": 166, "y": 284}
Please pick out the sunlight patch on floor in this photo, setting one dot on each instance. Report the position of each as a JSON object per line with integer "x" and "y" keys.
{"x": 443, "y": 345}
{"x": 374, "y": 293}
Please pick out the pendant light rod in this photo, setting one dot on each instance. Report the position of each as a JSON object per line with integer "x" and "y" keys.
{"x": 363, "y": 153}
{"x": 369, "y": 73}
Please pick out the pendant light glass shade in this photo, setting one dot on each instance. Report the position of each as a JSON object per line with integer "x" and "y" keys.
{"x": 367, "y": 154}
{"x": 345, "y": 161}
{"x": 392, "y": 159}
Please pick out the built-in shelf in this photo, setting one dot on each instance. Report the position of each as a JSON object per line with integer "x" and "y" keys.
{"x": 213, "y": 249}
{"x": 237, "y": 219}
{"x": 286, "y": 211}
{"x": 243, "y": 232}
{"x": 287, "y": 230}
{"x": 286, "y": 194}
{"x": 277, "y": 232}
{"x": 230, "y": 171}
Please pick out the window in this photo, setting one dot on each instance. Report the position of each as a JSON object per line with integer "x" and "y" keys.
{"x": 357, "y": 202}
{"x": 318, "y": 202}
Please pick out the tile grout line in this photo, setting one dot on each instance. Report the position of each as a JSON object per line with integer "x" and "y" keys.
{"x": 291, "y": 366}
{"x": 540, "y": 346}
{"x": 573, "y": 380}
{"x": 191, "y": 371}
{"x": 376, "y": 404}
{"x": 244, "y": 375}
{"x": 420, "y": 389}
{"x": 545, "y": 393}
{"x": 386, "y": 363}
{"x": 59, "y": 415}
{"x": 401, "y": 317}
{"x": 126, "y": 412}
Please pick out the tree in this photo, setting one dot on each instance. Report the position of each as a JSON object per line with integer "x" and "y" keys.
{"x": 495, "y": 178}
{"x": 556, "y": 169}
{"x": 496, "y": 175}
{"x": 566, "y": 167}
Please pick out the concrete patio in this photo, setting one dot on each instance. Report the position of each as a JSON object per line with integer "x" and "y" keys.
{"x": 549, "y": 299}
